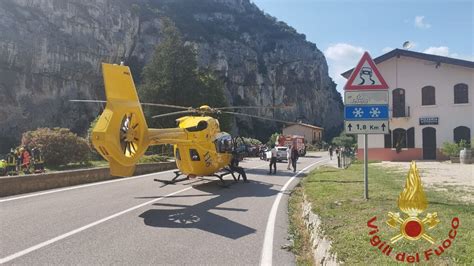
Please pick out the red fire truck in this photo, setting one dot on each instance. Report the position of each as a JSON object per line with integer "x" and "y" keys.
{"x": 292, "y": 140}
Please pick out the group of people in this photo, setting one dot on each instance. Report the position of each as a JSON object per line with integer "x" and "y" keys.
{"x": 292, "y": 156}
{"x": 17, "y": 160}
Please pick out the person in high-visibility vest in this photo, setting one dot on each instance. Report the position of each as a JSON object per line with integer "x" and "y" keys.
{"x": 3, "y": 167}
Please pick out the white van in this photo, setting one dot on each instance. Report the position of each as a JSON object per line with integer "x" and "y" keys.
{"x": 281, "y": 154}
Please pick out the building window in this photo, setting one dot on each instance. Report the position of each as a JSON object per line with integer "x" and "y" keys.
{"x": 428, "y": 95}
{"x": 462, "y": 133}
{"x": 399, "y": 139}
{"x": 461, "y": 94}
{"x": 411, "y": 137}
{"x": 398, "y": 102}
{"x": 388, "y": 140}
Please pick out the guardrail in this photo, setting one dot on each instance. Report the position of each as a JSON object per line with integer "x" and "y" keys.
{"x": 344, "y": 159}
{"x": 12, "y": 185}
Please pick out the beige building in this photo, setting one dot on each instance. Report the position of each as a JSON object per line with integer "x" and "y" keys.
{"x": 312, "y": 134}
{"x": 430, "y": 102}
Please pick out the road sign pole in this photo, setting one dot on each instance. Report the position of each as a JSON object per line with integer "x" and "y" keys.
{"x": 366, "y": 169}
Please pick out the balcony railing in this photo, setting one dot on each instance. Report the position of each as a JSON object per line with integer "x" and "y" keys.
{"x": 400, "y": 112}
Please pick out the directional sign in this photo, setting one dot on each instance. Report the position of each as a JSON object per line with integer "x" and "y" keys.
{"x": 366, "y": 112}
{"x": 366, "y": 76}
{"x": 365, "y": 97}
{"x": 366, "y": 127}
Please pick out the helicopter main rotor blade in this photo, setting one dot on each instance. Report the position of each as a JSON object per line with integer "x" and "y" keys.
{"x": 253, "y": 107}
{"x": 174, "y": 113}
{"x": 259, "y": 117}
{"x": 146, "y": 104}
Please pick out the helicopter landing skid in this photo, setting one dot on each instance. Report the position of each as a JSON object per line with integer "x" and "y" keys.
{"x": 174, "y": 180}
{"x": 227, "y": 171}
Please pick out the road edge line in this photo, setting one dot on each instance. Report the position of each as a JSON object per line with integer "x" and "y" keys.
{"x": 267, "y": 248}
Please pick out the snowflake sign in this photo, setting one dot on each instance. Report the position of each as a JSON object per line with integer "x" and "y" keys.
{"x": 374, "y": 112}
{"x": 358, "y": 112}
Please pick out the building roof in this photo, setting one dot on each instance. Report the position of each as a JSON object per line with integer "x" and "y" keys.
{"x": 306, "y": 125}
{"x": 429, "y": 57}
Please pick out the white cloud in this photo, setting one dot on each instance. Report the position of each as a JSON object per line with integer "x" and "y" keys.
{"x": 342, "y": 51}
{"x": 441, "y": 50}
{"x": 387, "y": 49}
{"x": 420, "y": 23}
{"x": 342, "y": 57}
{"x": 444, "y": 51}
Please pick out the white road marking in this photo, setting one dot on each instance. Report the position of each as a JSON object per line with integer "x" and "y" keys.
{"x": 75, "y": 231}
{"x": 78, "y": 230}
{"x": 267, "y": 250}
{"x": 90, "y": 185}
{"x": 83, "y": 186}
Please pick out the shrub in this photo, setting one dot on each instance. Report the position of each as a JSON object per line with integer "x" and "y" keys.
{"x": 153, "y": 158}
{"x": 251, "y": 141}
{"x": 452, "y": 149}
{"x": 59, "y": 145}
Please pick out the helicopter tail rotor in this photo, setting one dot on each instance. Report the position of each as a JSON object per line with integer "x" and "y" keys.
{"x": 121, "y": 133}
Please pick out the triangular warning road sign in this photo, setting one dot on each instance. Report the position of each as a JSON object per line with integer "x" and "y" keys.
{"x": 366, "y": 76}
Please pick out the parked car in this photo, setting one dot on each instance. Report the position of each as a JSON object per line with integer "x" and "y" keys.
{"x": 281, "y": 154}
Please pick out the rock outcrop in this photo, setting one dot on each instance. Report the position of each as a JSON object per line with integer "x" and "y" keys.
{"x": 51, "y": 50}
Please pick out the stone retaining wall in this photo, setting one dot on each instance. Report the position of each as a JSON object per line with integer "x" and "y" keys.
{"x": 320, "y": 244}
{"x": 12, "y": 185}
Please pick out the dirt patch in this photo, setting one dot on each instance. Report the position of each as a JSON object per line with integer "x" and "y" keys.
{"x": 442, "y": 176}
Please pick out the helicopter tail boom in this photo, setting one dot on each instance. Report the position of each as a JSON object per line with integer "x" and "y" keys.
{"x": 121, "y": 133}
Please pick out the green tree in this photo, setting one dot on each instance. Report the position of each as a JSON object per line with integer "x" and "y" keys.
{"x": 172, "y": 77}
{"x": 273, "y": 139}
{"x": 344, "y": 140}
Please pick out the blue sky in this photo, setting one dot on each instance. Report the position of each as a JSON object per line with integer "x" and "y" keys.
{"x": 343, "y": 30}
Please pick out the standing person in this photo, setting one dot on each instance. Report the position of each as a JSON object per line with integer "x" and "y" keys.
{"x": 288, "y": 157}
{"x": 18, "y": 152}
{"x": 234, "y": 166}
{"x": 273, "y": 159}
{"x": 331, "y": 149}
{"x": 338, "y": 155}
{"x": 294, "y": 157}
{"x": 25, "y": 160}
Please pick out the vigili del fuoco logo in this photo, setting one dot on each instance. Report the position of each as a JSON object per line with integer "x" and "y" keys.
{"x": 411, "y": 225}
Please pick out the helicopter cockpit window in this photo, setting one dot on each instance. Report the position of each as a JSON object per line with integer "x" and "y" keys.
{"x": 224, "y": 144}
{"x": 199, "y": 127}
{"x": 194, "y": 155}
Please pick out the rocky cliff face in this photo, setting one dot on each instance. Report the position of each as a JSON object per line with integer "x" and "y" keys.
{"x": 51, "y": 50}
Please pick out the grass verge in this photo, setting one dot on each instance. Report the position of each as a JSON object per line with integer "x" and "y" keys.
{"x": 301, "y": 240}
{"x": 337, "y": 197}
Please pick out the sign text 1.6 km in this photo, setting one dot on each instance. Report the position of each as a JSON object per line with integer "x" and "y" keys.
{"x": 366, "y": 127}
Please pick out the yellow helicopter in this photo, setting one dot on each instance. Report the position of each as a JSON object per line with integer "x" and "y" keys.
{"x": 122, "y": 136}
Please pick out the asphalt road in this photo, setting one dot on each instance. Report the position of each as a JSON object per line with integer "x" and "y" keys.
{"x": 140, "y": 221}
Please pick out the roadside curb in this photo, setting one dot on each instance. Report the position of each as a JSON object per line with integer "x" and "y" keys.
{"x": 320, "y": 245}
{"x": 13, "y": 185}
